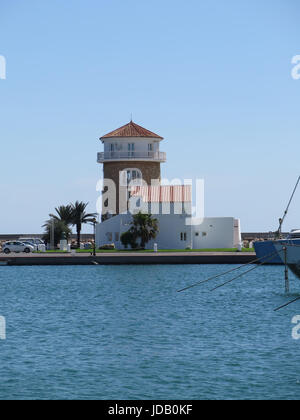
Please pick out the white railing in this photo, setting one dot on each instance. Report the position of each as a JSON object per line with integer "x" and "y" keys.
{"x": 156, "y": 156}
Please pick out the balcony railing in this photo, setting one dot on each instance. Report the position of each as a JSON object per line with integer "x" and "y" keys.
{"x": 113, "y": 156}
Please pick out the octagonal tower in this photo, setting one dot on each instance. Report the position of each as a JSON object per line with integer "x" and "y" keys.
{"x": 130, "y": 153}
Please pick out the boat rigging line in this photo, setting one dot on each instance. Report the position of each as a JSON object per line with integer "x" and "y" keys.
{"x": 278, "y": 234}
{"x": 246, "y": 272}
{"x": 267, "y": 257}
{"x": 287, "y": 304}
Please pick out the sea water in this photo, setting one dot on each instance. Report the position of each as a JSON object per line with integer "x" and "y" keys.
{"x": 124, "y": 332}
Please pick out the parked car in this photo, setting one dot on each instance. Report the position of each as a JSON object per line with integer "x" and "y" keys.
{"x": 36, "y": 247}
{"x": 33, "y": 241}
{"x": 17, "y": 246}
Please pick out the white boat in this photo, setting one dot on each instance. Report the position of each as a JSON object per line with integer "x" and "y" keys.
{"x": 295, "y": 234}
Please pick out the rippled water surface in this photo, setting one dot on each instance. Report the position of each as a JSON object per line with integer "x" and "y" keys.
{"x": 125, "y": 333}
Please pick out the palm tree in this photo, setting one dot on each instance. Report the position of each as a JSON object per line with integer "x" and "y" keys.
{"x": 145, "y": 227}
{"x": 80, "y": 217}
{"x": 60, "y": 230}
{"x": 64, "y": 213}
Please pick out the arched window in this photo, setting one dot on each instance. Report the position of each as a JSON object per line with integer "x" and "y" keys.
{"x": 131, "y": 176}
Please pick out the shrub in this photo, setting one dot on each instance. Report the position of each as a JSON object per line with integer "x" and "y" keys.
{"x": 129, "y": 238}
{"x": 108, "y": 247}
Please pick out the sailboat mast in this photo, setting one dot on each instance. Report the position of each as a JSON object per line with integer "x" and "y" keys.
{"x": 279, "y": 232}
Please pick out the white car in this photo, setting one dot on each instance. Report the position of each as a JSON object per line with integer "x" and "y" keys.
{"x": 17, "y": 246}
{"x": 33, "y": 241}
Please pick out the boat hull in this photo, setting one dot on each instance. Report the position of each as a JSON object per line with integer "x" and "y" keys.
{"x": 264, "y": 250}
{"x": 295, "y": 268}
{"x": 291, "y": 256}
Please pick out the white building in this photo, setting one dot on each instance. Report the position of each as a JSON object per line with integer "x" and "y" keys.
{"x": 132, "y": 183}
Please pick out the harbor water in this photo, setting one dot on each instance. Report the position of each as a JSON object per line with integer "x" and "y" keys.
{"x": 109, "y": 332}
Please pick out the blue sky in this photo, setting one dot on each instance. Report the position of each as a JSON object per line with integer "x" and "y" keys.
{"x": 212, "y": 77}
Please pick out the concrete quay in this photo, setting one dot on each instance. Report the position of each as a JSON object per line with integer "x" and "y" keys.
{"x": 130, "y": 258}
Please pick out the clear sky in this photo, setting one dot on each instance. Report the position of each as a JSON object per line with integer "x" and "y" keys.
{"x": 212, "y": 77}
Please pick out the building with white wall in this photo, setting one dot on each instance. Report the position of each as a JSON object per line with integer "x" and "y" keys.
{"x": 132, "y": 182}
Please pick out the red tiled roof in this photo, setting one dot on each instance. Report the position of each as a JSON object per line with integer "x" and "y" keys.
{"x": 131, "y": 130}
{"x": 164, "y": 194}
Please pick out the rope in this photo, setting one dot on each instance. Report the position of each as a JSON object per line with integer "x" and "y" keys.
{"x": 287, "y": 209}
{"x": 227, "y": 272}
{"x": 286, "y": 304}
{"x": 246, "y": 272}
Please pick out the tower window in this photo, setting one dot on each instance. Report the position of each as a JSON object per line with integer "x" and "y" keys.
{"x": 150, "y": 149}
{"x": 134, "y": 175}
{"x": 114, "y": 147}
{"x": 131, "y": 175}
{"x": 131, "y": 147}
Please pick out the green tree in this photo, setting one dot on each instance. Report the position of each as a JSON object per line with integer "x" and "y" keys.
{"x": 60, "y": 230}
{"x": 64, "y": 214}
{"x": 80, "y": 217}
{"x": 128, "y": 238}
{"x": 144, "y": 227}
